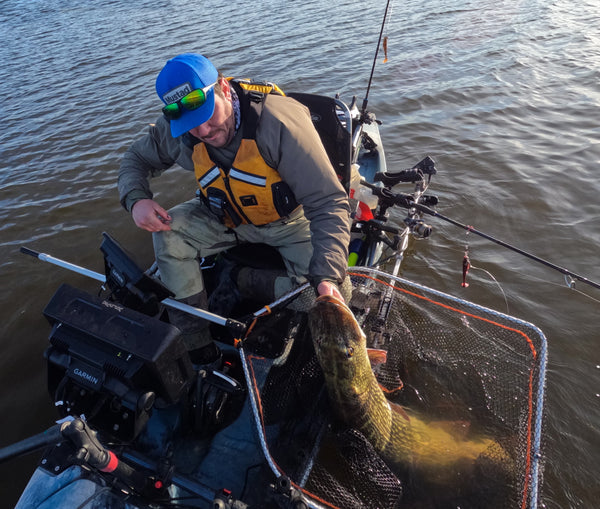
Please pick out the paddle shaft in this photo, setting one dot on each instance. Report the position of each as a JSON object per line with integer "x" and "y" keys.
{"x": 201, "y": 313}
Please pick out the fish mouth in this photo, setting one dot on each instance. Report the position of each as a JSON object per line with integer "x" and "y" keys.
{"x": 336, "y": 310}
{"x": 330, "y": 305}
{"x": 335, "y": 331}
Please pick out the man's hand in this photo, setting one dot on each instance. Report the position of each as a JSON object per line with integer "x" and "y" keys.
{"x": 328, "y": 288}
{"x": 150, "y": 216}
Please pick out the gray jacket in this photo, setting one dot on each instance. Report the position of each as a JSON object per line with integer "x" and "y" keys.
{"x": 288, "y": 142}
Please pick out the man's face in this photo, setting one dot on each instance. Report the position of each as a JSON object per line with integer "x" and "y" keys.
{"x": 219, "y": 129}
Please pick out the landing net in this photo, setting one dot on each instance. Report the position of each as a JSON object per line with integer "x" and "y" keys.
{"x": 470, "y": 369}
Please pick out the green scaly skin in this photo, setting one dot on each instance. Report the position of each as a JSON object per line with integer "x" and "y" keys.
{"x": 403, "y": 439}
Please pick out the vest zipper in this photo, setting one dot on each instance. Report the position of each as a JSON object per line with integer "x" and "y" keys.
{"x": 233, "y": 201}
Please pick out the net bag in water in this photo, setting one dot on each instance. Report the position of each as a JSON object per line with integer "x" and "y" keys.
{"x": 448, "y": 413}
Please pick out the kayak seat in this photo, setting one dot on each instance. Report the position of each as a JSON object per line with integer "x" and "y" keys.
{"x": 257, "y": 256}
{"x": 332, "y": 120}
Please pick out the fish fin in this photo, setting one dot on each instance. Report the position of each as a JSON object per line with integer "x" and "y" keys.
{"x": 400, "y": 410}
{"x": 377, "y": 356}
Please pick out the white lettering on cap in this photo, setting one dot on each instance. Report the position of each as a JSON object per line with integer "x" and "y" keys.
{"x": 177, "y": 93}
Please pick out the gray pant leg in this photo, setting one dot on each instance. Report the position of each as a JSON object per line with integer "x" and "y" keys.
{"x": 193, "y": 234}
{"x": 291, "y": 237}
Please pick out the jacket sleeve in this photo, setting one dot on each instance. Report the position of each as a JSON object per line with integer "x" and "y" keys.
{"x": 154, "y": 152}
{"x": 293, "y": 145}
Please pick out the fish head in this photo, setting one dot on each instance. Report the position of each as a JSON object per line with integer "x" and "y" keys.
{"x": 339, "y": 342}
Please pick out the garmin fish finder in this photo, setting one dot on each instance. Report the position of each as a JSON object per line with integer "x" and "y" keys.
{"x": 128, "y": 283}
{"x": 112, "y": 364}
{"x": 112, "y": 359}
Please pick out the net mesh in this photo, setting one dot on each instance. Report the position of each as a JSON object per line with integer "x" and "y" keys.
{"x": 462, "y": 367}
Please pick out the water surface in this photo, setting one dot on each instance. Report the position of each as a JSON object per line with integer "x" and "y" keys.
{"x": 504, "y": 95}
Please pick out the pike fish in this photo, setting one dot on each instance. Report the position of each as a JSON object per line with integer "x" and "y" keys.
{"x": 404, "y": 440}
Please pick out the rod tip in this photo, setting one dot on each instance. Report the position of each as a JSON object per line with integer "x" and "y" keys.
{"x": 30, "y": 252}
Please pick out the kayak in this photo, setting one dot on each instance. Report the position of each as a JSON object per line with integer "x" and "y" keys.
{"x": 140, "y": 426}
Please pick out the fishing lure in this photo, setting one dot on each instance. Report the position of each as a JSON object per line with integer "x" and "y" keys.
{"x": 385, "y": 58}
{"x": 466, "y": 265}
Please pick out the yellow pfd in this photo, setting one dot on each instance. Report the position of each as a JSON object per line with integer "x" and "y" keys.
{"x": 264, "y": 87}
{"x": 251, "y": 191}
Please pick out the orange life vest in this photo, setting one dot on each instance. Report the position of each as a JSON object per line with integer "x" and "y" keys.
{"x": 251, "y": 191}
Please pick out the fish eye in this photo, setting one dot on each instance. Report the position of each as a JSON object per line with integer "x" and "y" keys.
{"x": 349, "y": 351}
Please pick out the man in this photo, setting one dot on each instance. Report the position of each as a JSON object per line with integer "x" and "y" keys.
{"x": 264, "y": 177}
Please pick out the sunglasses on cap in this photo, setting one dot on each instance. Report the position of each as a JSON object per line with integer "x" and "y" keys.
{"x": 191, "y": 101}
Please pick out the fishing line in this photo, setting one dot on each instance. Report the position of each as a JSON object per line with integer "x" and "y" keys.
{"x": 386, "y": 38}
{"x": 366, "y": 99}
{"x": 467, "y": 265}
{"x": 569, "y": 281}
{"x": 533, "y": 257}
{"x": 491, "y": 276}
{"x": 570, "y": 286}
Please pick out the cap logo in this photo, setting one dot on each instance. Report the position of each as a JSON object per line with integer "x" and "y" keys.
{"x": 177, "y": 93}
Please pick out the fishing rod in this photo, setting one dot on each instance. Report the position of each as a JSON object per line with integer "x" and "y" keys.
{"x": 366, "y": 99}
{"x": 533, "y": 257}
{"x": 407, "y": 201}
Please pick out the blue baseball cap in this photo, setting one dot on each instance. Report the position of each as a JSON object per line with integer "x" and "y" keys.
{"x": 181, "y": 75}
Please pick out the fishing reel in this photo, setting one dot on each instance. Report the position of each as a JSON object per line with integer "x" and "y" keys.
{"x": 418, "y": 227}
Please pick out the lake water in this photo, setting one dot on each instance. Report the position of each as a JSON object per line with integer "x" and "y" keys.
{"x": 504, "y": 95}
